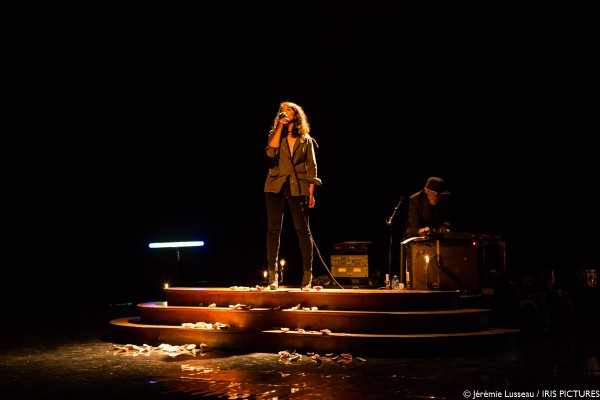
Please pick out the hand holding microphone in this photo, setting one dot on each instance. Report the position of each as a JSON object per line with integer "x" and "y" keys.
{"x": 283, "y": 119}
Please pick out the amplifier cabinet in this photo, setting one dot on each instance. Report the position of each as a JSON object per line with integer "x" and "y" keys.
{"x": 457, "y": 269}
{"x": 465, "y": 265}
{"x": 350, "y": 266}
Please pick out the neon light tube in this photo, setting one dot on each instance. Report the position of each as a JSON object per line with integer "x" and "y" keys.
{"x": 176, "y": 244}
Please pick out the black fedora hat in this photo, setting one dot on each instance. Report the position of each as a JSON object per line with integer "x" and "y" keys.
{"x": 436, "y": 184}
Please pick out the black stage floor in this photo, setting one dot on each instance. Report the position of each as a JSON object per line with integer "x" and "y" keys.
{"x": 76, "y": 359}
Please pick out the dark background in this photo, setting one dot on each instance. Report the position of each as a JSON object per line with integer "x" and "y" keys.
{"x": 135, "y": 122}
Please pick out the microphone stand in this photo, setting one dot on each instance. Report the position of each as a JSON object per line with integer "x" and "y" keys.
{"x": 389, "y": 224}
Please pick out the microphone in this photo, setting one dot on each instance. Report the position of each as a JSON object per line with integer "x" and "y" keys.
{"x": 282, "y": 115}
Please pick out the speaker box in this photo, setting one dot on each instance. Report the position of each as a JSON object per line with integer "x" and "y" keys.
{"x": 458, "y": 267}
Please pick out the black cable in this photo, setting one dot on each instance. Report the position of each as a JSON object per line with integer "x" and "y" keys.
{"x": 305, "y": 213}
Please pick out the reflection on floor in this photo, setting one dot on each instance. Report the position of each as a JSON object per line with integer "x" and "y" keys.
{"x": 78, "y": 360}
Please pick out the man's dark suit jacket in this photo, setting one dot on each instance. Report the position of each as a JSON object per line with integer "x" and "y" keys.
{"x": 422, "y": 214}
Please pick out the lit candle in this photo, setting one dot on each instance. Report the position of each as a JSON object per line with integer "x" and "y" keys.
{"x": 426, "y": 263}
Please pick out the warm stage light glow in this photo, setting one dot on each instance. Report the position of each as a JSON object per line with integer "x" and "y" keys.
{"x": 166, "y": 285}
{"x": 176, "y": 244}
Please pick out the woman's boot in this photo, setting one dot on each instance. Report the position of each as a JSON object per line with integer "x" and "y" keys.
{"x": 273, "y": 279}
{"x": 306, "y": 280}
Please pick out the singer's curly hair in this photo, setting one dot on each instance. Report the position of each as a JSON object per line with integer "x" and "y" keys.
{"x": 301, "y": 124}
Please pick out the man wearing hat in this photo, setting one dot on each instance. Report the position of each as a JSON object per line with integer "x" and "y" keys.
{"x": 429, "y": 209}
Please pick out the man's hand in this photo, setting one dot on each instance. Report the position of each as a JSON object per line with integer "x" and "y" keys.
{"x": 424, "y": 231}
